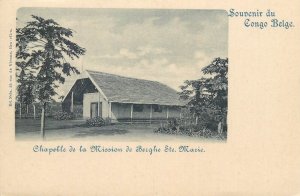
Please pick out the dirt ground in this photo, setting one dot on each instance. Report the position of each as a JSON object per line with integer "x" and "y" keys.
{"x": 29, "y": 129}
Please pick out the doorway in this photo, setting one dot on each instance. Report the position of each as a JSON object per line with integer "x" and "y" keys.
{"x": 96, "y": 109}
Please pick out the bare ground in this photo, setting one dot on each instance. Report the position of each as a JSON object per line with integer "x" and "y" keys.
{"x": 29, "y": 129}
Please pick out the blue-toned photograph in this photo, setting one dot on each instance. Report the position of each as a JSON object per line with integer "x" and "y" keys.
{"x": 121, "y": 74}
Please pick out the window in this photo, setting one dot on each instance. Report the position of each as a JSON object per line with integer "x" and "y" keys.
{"x": 138, "y": 108}
{"x": 157, "y": 108}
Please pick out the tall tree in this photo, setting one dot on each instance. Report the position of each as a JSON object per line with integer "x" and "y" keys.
{"x": 194, "y": 91}
{"x": 45, "y": 48}
{"x": 217, "y": 86}
{"x": 25, "y": 80}
{"x": 208, "y": 95}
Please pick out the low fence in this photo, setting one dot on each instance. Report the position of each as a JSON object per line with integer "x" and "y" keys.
{"x": 35, "y": 110}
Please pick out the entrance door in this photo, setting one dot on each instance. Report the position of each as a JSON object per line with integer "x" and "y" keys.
{"x": 96, "y": 110}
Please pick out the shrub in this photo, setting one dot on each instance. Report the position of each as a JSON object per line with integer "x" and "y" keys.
{"x": 95, "y": 122}
{"x": 63, "y": 115}
{"x": 185, "y": 127}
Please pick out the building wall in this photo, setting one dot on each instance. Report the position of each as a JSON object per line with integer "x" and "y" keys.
{"x": 88, "y": 98}
{"x": 123, "y": 111}
{"x": 174, "y": 112}
{"x": 159, "y": 115}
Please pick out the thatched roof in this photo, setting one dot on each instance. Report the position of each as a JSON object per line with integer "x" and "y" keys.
{"x": 130, "y": 90}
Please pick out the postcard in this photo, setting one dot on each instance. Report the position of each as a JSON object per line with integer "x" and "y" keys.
{"x": 150, "y": 98}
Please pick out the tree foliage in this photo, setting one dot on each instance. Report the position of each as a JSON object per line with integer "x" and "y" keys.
{"x": 26, "y": 82}
{"x": 207, "y": 97}
{"x": 44, "y": 52}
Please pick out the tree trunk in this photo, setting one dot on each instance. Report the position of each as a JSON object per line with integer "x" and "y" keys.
{"x": 20, "y": 112}
{"x": 220, "y": 127}
{"x": 43, "y": 121}
{"x": 33, "y": 111}
{"x": 27, "y": 109}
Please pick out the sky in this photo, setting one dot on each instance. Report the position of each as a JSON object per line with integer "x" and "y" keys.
{"x": 164, "y": 45}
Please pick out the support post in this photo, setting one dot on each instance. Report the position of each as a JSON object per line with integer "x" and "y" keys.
{"x": 167, "y": 112}
{"x": 131, "y": 113}
{"x": 99, "y": 104}
{"x": 72, "y": 102}
{"x": 150, "y": 113}
{"x": 109, "y": 110}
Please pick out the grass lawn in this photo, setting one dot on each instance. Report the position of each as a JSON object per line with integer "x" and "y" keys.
{"x": 29, "y": 129}
{"x": 31, "y": 125}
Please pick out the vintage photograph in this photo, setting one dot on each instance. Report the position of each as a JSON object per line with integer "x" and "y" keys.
{"x": 121, "y": 74}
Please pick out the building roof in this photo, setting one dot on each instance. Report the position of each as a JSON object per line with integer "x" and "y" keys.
{"x": 131, "y": 90}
